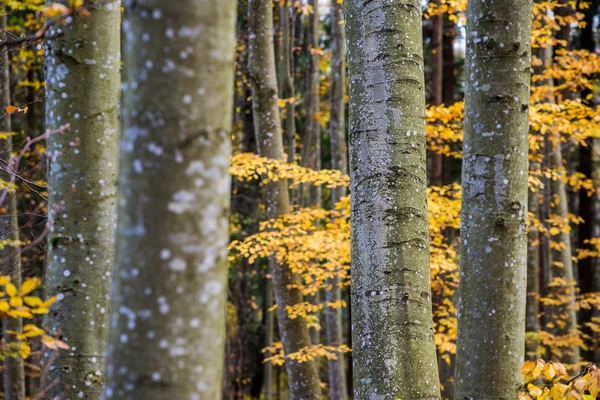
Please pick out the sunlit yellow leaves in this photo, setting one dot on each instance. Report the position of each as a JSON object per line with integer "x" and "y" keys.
{"x": 248, "y": 166}
{"x": 553, "y": 382}
{"x": 309, "y": 353}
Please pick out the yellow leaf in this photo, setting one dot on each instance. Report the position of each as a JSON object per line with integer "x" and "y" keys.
{"x": 11, "y": 109}
{"x": 549, "y": 371}
{"x": 4, "y": 280}
{"x": 29, "y": 286}
{"x": 527, "y": 367}
{"x": 24, "y": 350}
{"x": 20, "y": 313}
{"x": 580, "y": 384}
{"x": 4, "y": 307}
{"x": 33, "y": 301}
{"x": 11, "y": 289}
{"x": 16, "y": 301}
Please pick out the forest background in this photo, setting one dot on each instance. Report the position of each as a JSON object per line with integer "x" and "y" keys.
{"x": 313, "y": 236}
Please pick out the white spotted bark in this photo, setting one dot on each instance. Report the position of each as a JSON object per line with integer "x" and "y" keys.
{"x": 392, "y": 329}
{"x": 82, "y": 65}
{"x": 168, "y": 307}
{"x": 493, "y": 271}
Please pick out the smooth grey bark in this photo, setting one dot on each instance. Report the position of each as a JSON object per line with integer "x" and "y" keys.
{"x": 564, "y": 316}
{"x": 14, "y": 373}
{"x": 286, "y": 80}
{"x": 393, "y": 346}
{"x": 82, "y": 66}
{"x": 334, "y": 332}
{"x": 532, "y": 313}
{"x": 436, "y": 174}
{"x": 493, "y": 272}
{"x": 168, "y": 307}
{"x": 303, "y": 377}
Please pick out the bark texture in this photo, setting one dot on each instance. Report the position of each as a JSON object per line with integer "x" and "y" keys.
{"x": 168, "y": 307}
{"x": 14, "y": 374}
{"x": 339, "y": 160}
{"x": 492, "y": 292}
{"x": 82, "y": 68}
{"x": 393, "y": 346}
{"x": 303, "y": 377}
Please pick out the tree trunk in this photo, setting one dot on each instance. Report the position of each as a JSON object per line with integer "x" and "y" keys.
{"x": 311, "y": 149}
{"x": 437, "y": 76}
{"x": 448, "y": 61}
{"x": 82, "y": 85}
{"x": 172, "y": 235}
{"x": 14, "y": 375}
{"x": 269, "y": 325}
{"x": 492, "y": 292}
{"x": 287, "y": 81}
{"x": 532, "y": 313}
{"x": 303, "y": 377}
{"x": 564, "y": 316}
{"x": 393, "y": 346}
{"x": 339, "y": 161}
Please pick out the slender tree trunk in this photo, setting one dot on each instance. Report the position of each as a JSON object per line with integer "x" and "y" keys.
{"x": 82, "y": 85}
{"x": 448, "y": 61}
{"x": 437, "y": 76}
{"x": 339, "y": 161}
{"x": 532, "y": 313}
{"x": 311, "y": 150}
{"x": 564, "y": 316}
{"x": 269, "y": 323}
{"x": 14, "y": 375}
{"x": 303, "y": 377}
{"x": 171, "y": 266}
{"x": 492, "y": 292}
{"x": 393, "y": 345}
{"x": 286, "y": 86}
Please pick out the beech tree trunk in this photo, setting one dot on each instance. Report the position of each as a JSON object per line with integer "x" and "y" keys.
{"x": 339, "y": 160}
{"x": 532, "y": 314}
{"x": 303, "y": 377}
{"x": 168, "y": 309}
{"x": 564, "y": 316}
{"x": 14, "y": 374}
{"x": 437, "y": 77}
{"x": 311, "y": 147}
{"x": 393, "y": 346}
{"x": 287, "y": 81}
{"x": 492, "y": 292}
{"x": 82, "y": 88}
